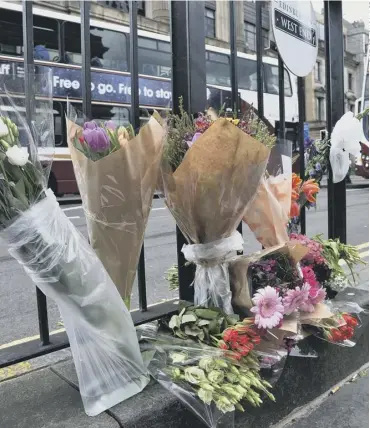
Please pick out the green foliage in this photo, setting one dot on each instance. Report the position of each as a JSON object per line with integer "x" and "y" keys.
{"x": 172, "y": 276}
{"x": 334, "y": 251}
{"x": 201, "y": 323}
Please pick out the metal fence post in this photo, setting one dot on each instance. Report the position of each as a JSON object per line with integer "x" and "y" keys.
{"x": 302, "y": 114}
{"x": 188, "y": 82}
{"x": 29, "y": 81}
{"x": 259, "y": 46}
{"x": 234, "y": 76}
{"x": 86, "y": 59}
{"x": 135, "y": 122}
{"x": 334, "y": 60}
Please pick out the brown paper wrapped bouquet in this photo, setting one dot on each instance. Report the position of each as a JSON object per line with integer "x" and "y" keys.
{"x": 116, "y": 173}
{"x": 210, "y": 171}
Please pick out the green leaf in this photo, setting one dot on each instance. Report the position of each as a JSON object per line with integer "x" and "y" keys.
{"x": 214, "y": 327}
{"x": 175, "y": 322}
{"x": 208, "y": 314}
{"x": 182, "y": 312}
{"x": 202, "y": 323}
{"x": 193, "y": 331}
{"x": 232, "y": 319}
{"x": 188, "y": 317}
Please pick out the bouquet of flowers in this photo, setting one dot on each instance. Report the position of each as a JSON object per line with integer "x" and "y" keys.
{"x": 218, "y": 373}
{"x": 210, "y": 172}
{"x": 268, "y": 214}
{"x": 60, "y": 261}
{"x": 303, "y": 194}
{"x": 116, "y": 172}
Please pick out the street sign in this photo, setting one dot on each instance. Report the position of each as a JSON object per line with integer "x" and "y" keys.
{"x": 295, "y": 31}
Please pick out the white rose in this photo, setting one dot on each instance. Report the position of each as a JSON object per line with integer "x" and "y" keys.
{"x": 17, "y": 156}
{"x": 4, "y": 131}
{"x": 205, "y": 396}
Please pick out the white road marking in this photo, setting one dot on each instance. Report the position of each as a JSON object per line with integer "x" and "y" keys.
{"x": 75, "y": 216}
{"x": 79, "y": 207}
{"x": 157, "y": 209}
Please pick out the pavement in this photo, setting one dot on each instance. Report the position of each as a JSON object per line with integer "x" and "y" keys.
{"x": 343, "y": 407}
{"x": 356, "y": 182}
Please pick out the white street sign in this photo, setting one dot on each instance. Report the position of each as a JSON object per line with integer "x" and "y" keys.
{"x": 296, "y": 34}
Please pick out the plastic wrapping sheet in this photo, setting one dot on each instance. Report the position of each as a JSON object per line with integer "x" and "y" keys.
{"x": 103, "y": 340}
{"x": 117, "y": 193}
{"x": 341, "y": 325}
{"x": 208, "y": 194}
{"x": 207, "y": 380}
{"x": 59, "y": 260}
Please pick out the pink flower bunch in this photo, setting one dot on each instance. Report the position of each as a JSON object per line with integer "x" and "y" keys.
{"x": 268, "y": 308}
{"x": 303, "y": 298}
{"x": 202, "y": 123}
{"x": 315, "y": 249}
{"x": 309, "y": 276}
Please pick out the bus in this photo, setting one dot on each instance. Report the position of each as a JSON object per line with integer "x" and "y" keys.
{"x": 57, "y": 47}
{"x": 362, "y": 169}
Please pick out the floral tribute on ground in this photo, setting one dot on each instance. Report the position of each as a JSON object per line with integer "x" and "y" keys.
{"x": 116, "y": 172}
{"x": 60, "y": 261}
{"x": 279, "y": 295}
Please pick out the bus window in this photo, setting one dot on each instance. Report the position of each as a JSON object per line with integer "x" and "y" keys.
{"x": 247, "y": 74}
{"x": 154, "y": 57}
{"x": 59, "y": 126}
{"x": 11, "y": 42}
{"x": 217, "y": 69}
{"x": 119, "y": 115}
{"x": 108, "y": 48}
{"x": 45, "y": 32}
{"x": 271, "y": 74}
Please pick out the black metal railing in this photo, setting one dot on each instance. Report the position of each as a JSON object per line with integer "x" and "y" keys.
{"x": 189, "y": 82}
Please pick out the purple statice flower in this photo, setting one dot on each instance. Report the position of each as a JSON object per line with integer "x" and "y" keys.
{"x": 90, "y": 125}
{"x": 110, "y": 125}
{"x": 308, "y": 143}
{"x": 97, "y": 139}
{"x": 312, "y": 173}
{"x": 318, "y": 166}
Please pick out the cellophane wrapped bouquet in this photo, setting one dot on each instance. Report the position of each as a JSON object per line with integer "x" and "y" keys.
{"x": 59, "y": 260}
{"x": 212, "y": 362}
{"x": 116, "y": 172}
{"x": 210, "y": 171}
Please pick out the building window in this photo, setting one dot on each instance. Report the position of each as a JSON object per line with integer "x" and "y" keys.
{"x": 266, "y": 39}
{"x": 123, "y": 6}
{"x": 210, "y": 23}
{"x": 350, "y": 83}
{"x": 318, "y": 71}
{"x": 320, "y": 109}
{"x": 250, "y": 35}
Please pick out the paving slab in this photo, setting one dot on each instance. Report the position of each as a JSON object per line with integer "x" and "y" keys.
{"x": 41, "y": 399}
{"x": 349, "y": 407}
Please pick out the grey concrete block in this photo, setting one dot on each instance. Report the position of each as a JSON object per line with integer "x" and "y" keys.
{"x": 67, "y": 370}
{"x": 41, "y": 399}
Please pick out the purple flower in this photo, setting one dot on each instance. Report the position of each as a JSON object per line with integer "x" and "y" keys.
{"x": 195, "y": 137}
{"x": 110, "y": 125}
{"x": 90, "y": 125}
{"x": 97, "y": 139}
{"x": 312, "y": 173}
{"x": 318, "y": 166}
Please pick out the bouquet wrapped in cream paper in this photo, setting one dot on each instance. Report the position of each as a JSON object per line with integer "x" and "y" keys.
{"x": 58, "y": 258}
{"x": 210, "y": 171}
{"x": 117, "y": 173}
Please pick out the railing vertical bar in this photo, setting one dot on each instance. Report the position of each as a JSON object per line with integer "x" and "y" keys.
{"x": 334, "y": 63}
{"x": 135, "y": 122}
{"x": 27, "y": 17}
{"x": 86, "y": 59}
{"x": 188, "y": 82}
{"x": 259, "y": 46}
{"x": 281, "y": 134}
{"x": 302, "y": 117}
{"x": 234, "y": 75}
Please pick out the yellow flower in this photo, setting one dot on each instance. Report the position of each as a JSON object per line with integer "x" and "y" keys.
{"x": 233, "y": 121}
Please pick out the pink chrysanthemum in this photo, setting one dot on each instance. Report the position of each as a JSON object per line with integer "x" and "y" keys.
{"x": 298, "y": 298}
{"x": 268, "y": 308}
{"x": 309, "y": 276}
{"x": 316, "y": 294}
